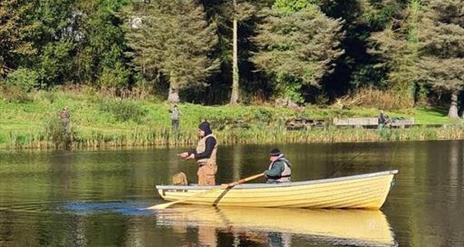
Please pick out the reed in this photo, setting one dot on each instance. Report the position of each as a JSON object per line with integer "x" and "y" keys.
{"x": 164, "y": 137}
{"x": 98, "y": 121}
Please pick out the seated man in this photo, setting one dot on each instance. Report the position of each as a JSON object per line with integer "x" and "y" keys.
{"x": 383, "y": 119}
{"x": 279, "y": 170}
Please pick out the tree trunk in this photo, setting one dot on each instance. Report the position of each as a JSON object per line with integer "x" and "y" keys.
{"x": 173, "y": 96}
{"x": 235, "y": 73}
{"x": 453, "y": 110}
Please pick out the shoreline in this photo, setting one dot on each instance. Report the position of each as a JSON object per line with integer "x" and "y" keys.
{"x": 99, "y": 121}
{"x": 252, "y": 137}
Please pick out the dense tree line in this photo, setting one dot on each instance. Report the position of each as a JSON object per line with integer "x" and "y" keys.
{"x": 221, "y": 51}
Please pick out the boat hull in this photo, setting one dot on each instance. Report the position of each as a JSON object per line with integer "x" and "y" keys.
{"x": 361, "y": 191}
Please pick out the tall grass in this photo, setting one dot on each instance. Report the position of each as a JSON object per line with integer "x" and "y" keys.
{"x": 165, "y": 137}
{"x": 100, "y": 121}
{"x": 371, "y": 97}
{"x": 123, "y": 110}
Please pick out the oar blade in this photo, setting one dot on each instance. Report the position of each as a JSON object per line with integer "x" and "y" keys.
{"x": 162, "y": 205}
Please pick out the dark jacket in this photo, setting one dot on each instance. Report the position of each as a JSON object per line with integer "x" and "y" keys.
{"x": 383, "y": 119}
{"x": 275, "y": 173}
{"x": 210, "y": 143}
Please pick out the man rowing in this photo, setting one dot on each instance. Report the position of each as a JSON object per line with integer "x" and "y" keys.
{"x": 279, "y": 170}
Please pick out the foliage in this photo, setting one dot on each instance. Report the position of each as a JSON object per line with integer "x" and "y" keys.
{"x": 397, "y": 46}
{"x": 371, "y": 97}
{"x": 174, "y": 39}
{"x": 114, "y": 78}
{"x": 103, "y": 45}
{"x": 57, "y": 134}
{"x": 18, "y": 84}
{"x": 297, "y": 47}
{"x": 357, "y": 67}
{"x": 94, "y": 122}
{"x": 78, "y": 40}
{"x": 23, "y": 79}
{"x": 124, "y": 110}
{"x": 441, "y": 46}
{"x": 291, "y": 6}
{"x": 294, "y": 51}
{"x": 55, "y": 62}
{"x": 16, "y": 29}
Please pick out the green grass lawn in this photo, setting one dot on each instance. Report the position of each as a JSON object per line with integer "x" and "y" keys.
{"x": 96, "y": 117}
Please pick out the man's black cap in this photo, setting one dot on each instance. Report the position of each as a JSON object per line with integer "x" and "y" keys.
{"x": 275, "y": 152}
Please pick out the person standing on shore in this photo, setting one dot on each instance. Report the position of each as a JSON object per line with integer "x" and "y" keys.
{"x": 175, "y": 117}
{"x": 205, "y": 155}
{"x": 65, "y": 120}
{"x": 66, "y": 136}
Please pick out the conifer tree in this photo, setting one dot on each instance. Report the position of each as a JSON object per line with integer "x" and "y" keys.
{"x": 173, "y": 38}
{"x": 397, "y": 46}
{"x": 297, "y": 47}
{"x": 241, "y": 11}
{"x": 441, "y": 44}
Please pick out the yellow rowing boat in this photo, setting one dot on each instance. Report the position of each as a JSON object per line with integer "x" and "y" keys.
{"x": 360, "y": 191}
{"x": 345, "y": 227}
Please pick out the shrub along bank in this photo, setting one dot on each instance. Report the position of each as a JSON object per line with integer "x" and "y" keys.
{"x": 99, "y": 121}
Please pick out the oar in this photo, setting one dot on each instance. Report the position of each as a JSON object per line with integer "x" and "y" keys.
{"x": 224, "y": 186}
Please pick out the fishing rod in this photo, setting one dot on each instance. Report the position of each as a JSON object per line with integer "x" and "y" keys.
{"x": 346, "y": 162}
{"x": 360, "y": 153}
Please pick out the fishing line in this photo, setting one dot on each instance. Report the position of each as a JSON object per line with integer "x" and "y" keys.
{"x": 355, "y": 156}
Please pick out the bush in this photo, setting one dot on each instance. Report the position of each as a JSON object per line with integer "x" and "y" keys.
{"x": 56, "y": 132}
{"x": 370, "y": 97}
{"x": 263, "y": 116}
{"x": 23, "y": 79}
{"x": 18, "y": 84}
{"x": 114, "y": 78}
{"x": 12, "y": 94}
{"x": 124, "y": 110}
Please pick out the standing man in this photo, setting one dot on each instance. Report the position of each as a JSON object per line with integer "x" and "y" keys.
{"x": 175, "y": 115}
{"x": 205, "y": 155}
{"x": 66, "y": 137}
{"x": 65, "y": 120}
{"x": 279, "y": 170}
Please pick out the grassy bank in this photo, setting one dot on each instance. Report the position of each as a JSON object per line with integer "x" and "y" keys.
{"x": 99, "y": 121}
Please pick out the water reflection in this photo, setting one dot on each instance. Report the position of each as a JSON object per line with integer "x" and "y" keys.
{"x": 123, "y": 208}
{"x": 91, "y": 198}
{"x": 275, "y": 227}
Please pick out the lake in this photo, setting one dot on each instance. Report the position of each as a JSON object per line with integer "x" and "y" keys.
{"x": 97, "y": 198}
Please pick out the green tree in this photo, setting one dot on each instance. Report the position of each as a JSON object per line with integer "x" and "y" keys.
{"x": 357, "y": 67}
{"x": 55, "y": 40}
{"x": 397, "y": 46}
{"x": 238, "y": 71}
{"x": 100, "y": 57}
{"x": 297, "y": 47}
{"x": 291, "y": 6}
{"x": 16, "y": 27}
{"x": 441, "y": 47}
{"x": 173, "y": 38}
{"x": 81, "y": 42}
{"x": 23, "y": 80}
{"x": 241, "y": 12}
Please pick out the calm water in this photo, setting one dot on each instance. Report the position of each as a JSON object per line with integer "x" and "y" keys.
{"x": 96, "y": 198}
